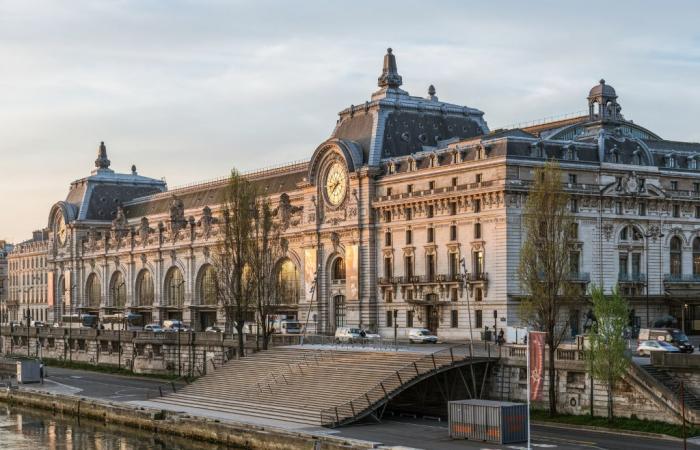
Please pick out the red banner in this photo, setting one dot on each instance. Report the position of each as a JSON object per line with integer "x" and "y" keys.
{"x": 535, "y": 348}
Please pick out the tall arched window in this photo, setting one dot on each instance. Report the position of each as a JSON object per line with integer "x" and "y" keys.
{"x": 339, "y": 310}
{"x": 174, "y": 288}
{"x": 676, "y": 256}
{"x": 144, "y": 288}
{"x": 93, "y": 288}
{"x": 207, "y": 286}
{"x": 117, "y": 290}
{"x": 287, "y": 283}
{"x": 338, "y": 270}
{"x": 696, "y": 256}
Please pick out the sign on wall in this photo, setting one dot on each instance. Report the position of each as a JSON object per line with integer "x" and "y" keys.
{"x": 351, "y": 272}
{"x": 309, "y": 270}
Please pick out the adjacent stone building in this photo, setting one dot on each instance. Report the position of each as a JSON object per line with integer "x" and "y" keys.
{"x": 28, "y": 279}
{"x": 408, "y": 215}
{"x": 5, "y": 249}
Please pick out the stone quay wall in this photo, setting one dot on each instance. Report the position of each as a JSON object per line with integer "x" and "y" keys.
{"x": 637, "y": 394}
{"x": 171, "y": 423}
{"x": 192, "y": 354}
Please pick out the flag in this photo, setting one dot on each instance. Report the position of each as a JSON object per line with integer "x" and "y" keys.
{"x": 536, "y": 341}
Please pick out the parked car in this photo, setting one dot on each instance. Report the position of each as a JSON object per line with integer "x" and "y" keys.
{"x": 153, "y": 327}
{"x": 366, "y": 334}
{"x": 673, "y": 336}
{"x": 422, "y": 336}
{"x": 347, "y": 334}
{"x": 38, "y": 324}
{"x": 214, "y": 329}
{"x": 646, "y": 347}
{"x": 173, "y": 325}
{"x": 286, "y": 326}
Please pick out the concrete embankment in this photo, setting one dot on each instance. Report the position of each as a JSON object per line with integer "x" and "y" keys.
{"x": 241, "y": 435}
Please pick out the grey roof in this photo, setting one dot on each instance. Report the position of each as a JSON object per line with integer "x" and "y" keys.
{"x": 602, "y": 89}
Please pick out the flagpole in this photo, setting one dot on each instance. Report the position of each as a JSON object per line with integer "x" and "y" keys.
{"x": 527, "y": 353}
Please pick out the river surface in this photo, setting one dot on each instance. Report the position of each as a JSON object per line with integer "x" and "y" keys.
{"x": 24, "y": 429}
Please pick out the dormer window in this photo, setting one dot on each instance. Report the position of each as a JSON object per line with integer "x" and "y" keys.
{"x": 411, "y": 165}
{"x": 670, "y": 161}
{"x": 614, "y": 155}
{"x": 692, "y": 162}
{"x": 479, "y": 152}
{"x": 392, "y": 167}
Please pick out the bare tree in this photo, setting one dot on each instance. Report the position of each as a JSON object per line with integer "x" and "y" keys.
{"x": 265, "y": 252}
{"x": 545, "y": 267}
{"x": 231, "y": 259}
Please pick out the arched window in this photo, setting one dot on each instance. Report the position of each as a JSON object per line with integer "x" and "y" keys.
{"x": 287, "y": 283}
{"x": 208, "y": 291}
{"x": 144, "y": 288}
{"x": 339, "y": 310}
{"x": 338, "y": 270}
{"x": 93, "y": 288}
{"x": 117, "y": 290}
{"x": 676, "y": 256}
{"x": 174, "y": 288}
{"x": 696, "y": 256}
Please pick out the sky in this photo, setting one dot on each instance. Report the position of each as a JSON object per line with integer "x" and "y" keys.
{"x": 187, "y": 90}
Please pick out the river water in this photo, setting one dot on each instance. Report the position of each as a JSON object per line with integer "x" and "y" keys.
{"x": 24, "y": 429}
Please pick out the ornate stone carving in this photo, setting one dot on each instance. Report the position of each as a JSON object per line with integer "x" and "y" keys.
{"x": 287, "y": 214}
{"x": 177, "y": 214}
{"x": 144, "y": 231}
{"x": 607, "y": 231}
{"x": 206, "y": 222}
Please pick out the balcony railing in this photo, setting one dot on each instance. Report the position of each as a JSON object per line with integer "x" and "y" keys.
{"x": 631, "y": 278}
{"x": 682, "y": 278}
{"x": 477, "y": 276}
{"x": 579, "y": 277}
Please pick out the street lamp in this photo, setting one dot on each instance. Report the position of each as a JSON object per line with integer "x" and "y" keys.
{"x": 469, "y": 313}
{"x": 115, "y": 293}
{"x": 653, "y": 233}
{"x": 70, "y": 323}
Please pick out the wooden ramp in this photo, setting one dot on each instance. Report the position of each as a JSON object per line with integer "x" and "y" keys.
{"x": 319, "y": 386}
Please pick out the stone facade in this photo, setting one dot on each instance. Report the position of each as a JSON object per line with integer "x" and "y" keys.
{"x": 28, "y": 291}
{"x": 409, "y": 214}
{"x": 5, "y": 249}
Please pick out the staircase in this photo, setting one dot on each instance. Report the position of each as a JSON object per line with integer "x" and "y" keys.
{"x": 311, "y": 386}
{"x": 673, "y": 385}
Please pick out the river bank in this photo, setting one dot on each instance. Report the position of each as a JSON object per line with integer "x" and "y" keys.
{"x": 170, "y": 423}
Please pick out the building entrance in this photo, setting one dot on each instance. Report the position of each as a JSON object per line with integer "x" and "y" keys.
{"x": 431, "y": 318}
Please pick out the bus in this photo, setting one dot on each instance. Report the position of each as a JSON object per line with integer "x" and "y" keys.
{"x": 121, "y": 321}
{"x": 72, "y": 321}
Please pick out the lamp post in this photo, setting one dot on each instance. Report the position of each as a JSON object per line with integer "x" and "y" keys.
{"x": 27, "y": 313}
{"x": 173, "y": 287}
{"x": 463, "y": 262}
{"x": 115, "y": 299}
{"x": 70, "y": 323}
{"x": 653, "y": 233}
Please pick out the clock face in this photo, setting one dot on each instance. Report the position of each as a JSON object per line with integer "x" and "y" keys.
{"x": 61, "y": 230}
{"x": 336, "y": 183}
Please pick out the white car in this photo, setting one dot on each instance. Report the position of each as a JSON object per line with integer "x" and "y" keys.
{"x": 422, "y": 336}
{"x": 348, "y": 334}
{"x": 366, "y": 334}
{"x": 153, "y": 327}
{"x": 646, "y": 347}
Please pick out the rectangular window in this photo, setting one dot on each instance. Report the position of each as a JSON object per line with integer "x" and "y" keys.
{"x": 454, "y": 264}
{"x": 389, "y": 297}
{"x": 618, "y": 208}
{"x": 676, "y": 210}
{"x": 387, "y": 239}
{"x": 409, "y": 237}
{"x": 454, "y": 294}
{"x": 572, "y": 178}
{"x": 636, "y": 263}
{"x": 388, "y": 273}
{"x": 478, "y": 262}
{"x": 387, "y": 216}
{"x": 408, "y": 212}
{"x": 477, "y": 178}
{"x": 408, "y": 266}
{"x": 453, "y": 232}
{"x": 674, "y": 185}
{"x": 697, "y": 212}
{"x": 409, "y": 188}
{"x": 431, "y": 210}
{"x": 431, "y": 185}
{"x": 454, "y": 181}
{"x": 477, "y": 205}
{"x": 389, "y": 318}
{"x": 574, "y": 205}
{"x": 454, "y": 319}
{"x": 388, "y": 191}
{"x": 622, "y": 263}
{"x": 477, "y": 230}
{"x": 478, "y": 319}
{"x": 409, "y": 318}
{"x": 453, "y": 208}
{"x": 642, "y": 208}
{"x": 409, "y": 294}
{"x": 430, "y": 263}
{"x": 431, "y": 234}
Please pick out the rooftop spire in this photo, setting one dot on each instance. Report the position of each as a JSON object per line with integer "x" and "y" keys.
{"x": 390, "y": 76}
{"x": 102, "y": 162}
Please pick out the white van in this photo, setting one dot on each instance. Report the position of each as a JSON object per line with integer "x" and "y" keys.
{"x": 286, "y": 326}
{"x": 173, "y": 325}
{"x": 422, "y": 336}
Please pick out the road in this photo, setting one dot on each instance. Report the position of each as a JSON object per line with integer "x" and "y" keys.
{"x": 433, "y": 435}
{"x": 101, "y": 385}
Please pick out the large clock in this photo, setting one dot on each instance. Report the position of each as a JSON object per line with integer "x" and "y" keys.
{"x": 336, "y": 183}
{"x": 61, "y": 230}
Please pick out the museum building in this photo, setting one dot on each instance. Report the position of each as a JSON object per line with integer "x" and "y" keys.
{"x": 409, "y": 215}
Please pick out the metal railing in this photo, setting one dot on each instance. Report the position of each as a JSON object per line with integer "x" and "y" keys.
{"x": 405, "y": 377}
{"x": 631, "y": 278}
{"x": 682, "y": 278}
